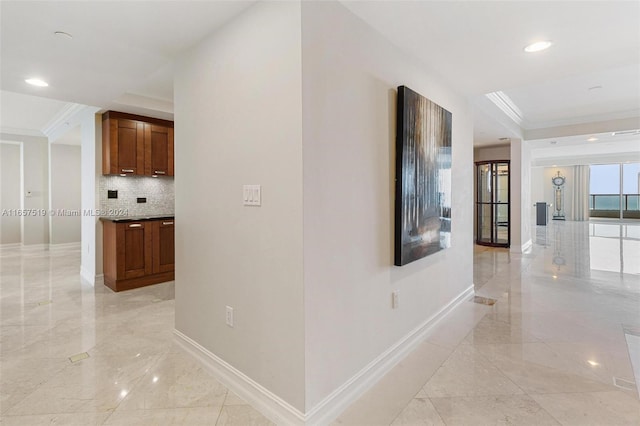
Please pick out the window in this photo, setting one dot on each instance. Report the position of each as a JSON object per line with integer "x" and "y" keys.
{"x": 607, "y": 198}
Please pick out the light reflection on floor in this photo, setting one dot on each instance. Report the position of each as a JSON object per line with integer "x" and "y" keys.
{"x": 615, "y": 247}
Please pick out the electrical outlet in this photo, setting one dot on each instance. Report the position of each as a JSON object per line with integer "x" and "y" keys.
{"x": 229, "y": 316}
{"x": 395, "y": 296}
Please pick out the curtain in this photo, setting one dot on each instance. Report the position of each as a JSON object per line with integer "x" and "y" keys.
{"x": 580, "y": 199}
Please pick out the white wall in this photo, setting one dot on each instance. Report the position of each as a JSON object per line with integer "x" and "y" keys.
{"x": 526, "y": 200}
{"x": 35, "y": 179}
{"x": 238, "y": 121}
{"x": 521, "y": 204}
{"x": 350, "y": 75}
{"x": 91, "y": 167}
{"x": 10, "y": 176}
{"x": 65, "y": 193}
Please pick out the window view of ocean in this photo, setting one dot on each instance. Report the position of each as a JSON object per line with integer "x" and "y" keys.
{"x": 604, "y": 182}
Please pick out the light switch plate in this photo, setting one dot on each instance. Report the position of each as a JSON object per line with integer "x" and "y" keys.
{"x": 252, "y": 195}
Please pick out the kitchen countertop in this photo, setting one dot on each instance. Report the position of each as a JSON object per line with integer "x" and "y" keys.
{"x": 122, "y": 219}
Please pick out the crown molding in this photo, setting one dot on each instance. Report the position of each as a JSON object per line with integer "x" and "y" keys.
{"x": 60, "y": 119}
{"x": 507, "y": 106}
{"x": 22, "y": 132}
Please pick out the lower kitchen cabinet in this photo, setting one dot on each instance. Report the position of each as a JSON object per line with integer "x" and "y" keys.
{"x": 163, "y": 258}
{"x": 138, "y": 253}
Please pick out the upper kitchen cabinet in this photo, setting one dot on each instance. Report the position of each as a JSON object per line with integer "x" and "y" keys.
{"x": 136, "y": 145}
{"x": 158, "y": 150}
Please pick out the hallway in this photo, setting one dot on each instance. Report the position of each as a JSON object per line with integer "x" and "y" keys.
{"x": 556, "y": 347}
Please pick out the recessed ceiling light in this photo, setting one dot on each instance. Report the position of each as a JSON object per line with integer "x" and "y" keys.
{"x": 63, "y": 34}
{"x": 593, "y": 363}
{"x": 626, "y": 132}
{"x": 37, "y": 82}
{"x": 592, "y": 139}
{"x": 538, "y": 46}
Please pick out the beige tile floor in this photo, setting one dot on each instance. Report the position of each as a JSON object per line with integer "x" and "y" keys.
{"x": 134, "y": 373}
{"x": 554, "y": 349}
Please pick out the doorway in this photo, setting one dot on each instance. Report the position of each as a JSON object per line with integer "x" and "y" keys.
{"x": 10, "y": 192}
{"x": 493, "y": 208}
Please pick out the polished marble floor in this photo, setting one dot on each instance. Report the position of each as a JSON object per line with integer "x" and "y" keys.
{"x": 72, "y": 354}
{"x": 558, "y": 346}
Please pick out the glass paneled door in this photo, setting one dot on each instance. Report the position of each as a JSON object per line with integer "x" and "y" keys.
{"x": 492, "y": 203}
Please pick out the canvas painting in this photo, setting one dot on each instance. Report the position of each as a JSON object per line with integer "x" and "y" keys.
{"x": 423, "y": 178}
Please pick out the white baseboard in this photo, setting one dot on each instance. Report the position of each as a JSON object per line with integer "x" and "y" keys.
{"x": 35, "y": 247}
{"x": 260, "y": 398}
{"x": 87, "y": 277}
{"x": 522, "y": 248}
{"x": 335, "y": 403}
{"x": 327, "y": 410}
{"x": 10, "y": 245}
{"x": 61, "y": 246}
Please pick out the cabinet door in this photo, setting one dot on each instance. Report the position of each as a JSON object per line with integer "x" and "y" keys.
{"x": 163, "y": 246}
{"x": 128, "y": 141}
{"x": 134, "y": 249}
{"x": 158, "y": 143}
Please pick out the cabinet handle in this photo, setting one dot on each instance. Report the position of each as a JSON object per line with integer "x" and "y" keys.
{"x": 167, "y": 223}
{"x": 127, "y": 170}
{"x": 159, "y": 172}
{"x": 135, "y": 225}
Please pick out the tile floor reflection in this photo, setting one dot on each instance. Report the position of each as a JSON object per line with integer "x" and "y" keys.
{"x": 72, "y": 354}
{"x": 559, "y": 346}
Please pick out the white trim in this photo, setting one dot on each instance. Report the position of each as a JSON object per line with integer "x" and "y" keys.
{"x": 99, "y": 280}
{"x": 22, "y": 132}
{"x": 524, "y": 247}
{"x": 62, "y": 246}
{"x": 337, "y": 401}
{"x": 39, "y": 246}
{"x": 327, "y": 410}
{"x": 10, "y": 245}
{"x": 87, "y": 277}
{"x": 60, "y": 119}
{"x": 507, "y": 106}
{"x": 265, "y": 401}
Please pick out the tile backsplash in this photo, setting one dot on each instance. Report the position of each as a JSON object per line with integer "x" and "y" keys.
{"x": 159, "y": 193}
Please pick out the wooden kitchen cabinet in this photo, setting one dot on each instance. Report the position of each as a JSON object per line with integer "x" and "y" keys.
{"x": 158, "y": 150}
{"x": 134, "y": 249}
{"x": 138, "y": 253}
{"x": 163, "y": 246}
{"x": 136, "y": 145}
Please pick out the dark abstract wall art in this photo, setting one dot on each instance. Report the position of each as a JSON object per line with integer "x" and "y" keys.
{"x": 423, "y": 178}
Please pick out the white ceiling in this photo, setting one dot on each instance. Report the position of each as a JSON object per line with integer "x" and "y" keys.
{"x": 614, "y": 94}
{"x": 25, "y": 114}
{"x": 478, "y": 47}
{"x": 119, "y": 48}
{"x": 121, "y": 54}
{"x": 602, "y": 148}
